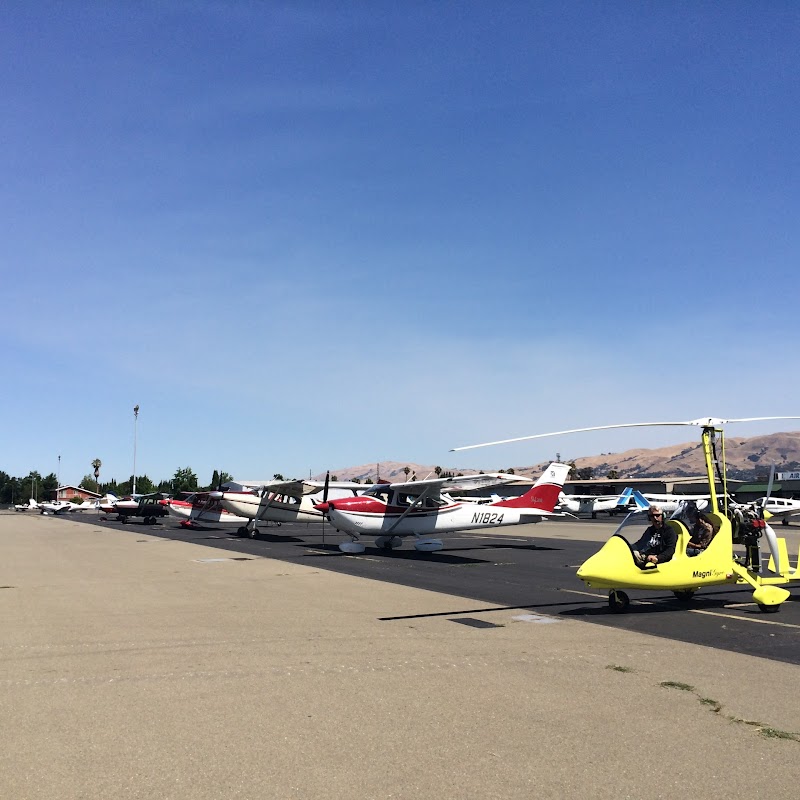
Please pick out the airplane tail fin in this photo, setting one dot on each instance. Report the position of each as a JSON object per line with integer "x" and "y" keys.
{"x": 543, "y": 495}
{"x": 642, "y": 502}
{"x": 625, "y": 497}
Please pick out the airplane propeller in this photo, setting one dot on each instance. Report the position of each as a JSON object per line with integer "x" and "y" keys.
{"x": 325, "y": 502}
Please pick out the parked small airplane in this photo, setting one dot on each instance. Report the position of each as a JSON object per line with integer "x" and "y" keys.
{"x": 146, "y": 505}
{"x": 594, "y": 504}
{"x": 31, "y": 505}
{"x": 66, "y": 507}
{"x": 780, "y": 507}
{"x": 281, "y": 501}
{"x": 200, "y": 509}
{"x": 389, "y": 511}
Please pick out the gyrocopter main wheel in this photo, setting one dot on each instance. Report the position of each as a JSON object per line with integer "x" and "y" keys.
{"x": 618, "y": 601}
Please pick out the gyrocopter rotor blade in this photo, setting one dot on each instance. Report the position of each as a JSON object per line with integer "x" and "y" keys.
{"x": 702, "y": 422}
{"x": 769, "y": 486}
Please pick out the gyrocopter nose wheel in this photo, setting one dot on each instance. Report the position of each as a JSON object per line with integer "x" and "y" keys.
{"x": 618, "y": 601}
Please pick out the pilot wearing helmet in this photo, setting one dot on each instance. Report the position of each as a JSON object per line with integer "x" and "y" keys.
{"x": 657, "y": 544}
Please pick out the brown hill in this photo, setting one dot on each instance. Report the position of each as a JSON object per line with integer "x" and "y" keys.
{"x": 747, "y": 458}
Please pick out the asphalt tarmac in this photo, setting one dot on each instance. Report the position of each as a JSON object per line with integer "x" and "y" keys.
{"x": 528, "y": 567}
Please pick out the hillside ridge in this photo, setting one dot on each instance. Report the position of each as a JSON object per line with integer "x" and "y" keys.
{"x": 747, "y": 458}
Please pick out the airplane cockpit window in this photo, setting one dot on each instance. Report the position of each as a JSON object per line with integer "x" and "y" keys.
{"x": 434, "y": 502}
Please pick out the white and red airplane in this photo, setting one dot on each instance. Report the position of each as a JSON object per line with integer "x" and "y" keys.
{"x": 280, "y": 501}
{"x": 421, "y": 509}
{"x": 200, "y": 508}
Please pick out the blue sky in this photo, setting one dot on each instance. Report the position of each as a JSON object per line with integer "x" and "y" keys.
{"x": 310, "y": 235}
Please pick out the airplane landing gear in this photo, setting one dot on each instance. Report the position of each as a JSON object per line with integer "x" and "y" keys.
{"x": 352, "y": 547}
{"x": 618, "y": 601}
{"x": 684, "y": 595}
{"x": 428, "y": 545}
{"x": 388, "y": 542}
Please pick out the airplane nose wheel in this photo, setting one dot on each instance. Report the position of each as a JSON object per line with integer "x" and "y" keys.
{"x": 618, "y": 602}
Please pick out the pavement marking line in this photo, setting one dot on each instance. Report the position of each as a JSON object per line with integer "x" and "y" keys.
{"x": 744, "y": 619}
{"x": 587, "y": 594}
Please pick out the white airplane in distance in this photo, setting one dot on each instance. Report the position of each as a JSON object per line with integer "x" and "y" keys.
{"x": 31, "y": 505}
{"x": 280, "y": 501}
{"x": 390, "y": 511}
{"x": 780, "y": 507}
{"x": 667, "y": 502}
{"x": 67, "y": 507}
{"x": 594, "y": 504}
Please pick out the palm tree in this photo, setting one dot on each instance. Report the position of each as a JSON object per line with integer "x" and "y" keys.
{"x": 406, "y": 470}
{"x": 97, "y": 463}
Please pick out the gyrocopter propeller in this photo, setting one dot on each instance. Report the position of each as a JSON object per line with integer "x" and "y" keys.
{"x": 614, "y": 568}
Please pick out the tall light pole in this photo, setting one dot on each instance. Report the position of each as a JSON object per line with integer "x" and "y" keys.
{"x": 135, "y": 420}
{"x": 58, "y": 477}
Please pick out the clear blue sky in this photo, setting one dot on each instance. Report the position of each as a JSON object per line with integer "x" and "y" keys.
{"x": 312, "y": 235}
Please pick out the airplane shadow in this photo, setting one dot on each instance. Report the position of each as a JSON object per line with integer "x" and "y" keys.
{"x": 506, "y": 546}
{"x": 664, "y": 604}
{"x": 397, "y": 554}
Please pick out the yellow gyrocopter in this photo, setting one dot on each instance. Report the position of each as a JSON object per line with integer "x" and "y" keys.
{"x": 613, "y": 566}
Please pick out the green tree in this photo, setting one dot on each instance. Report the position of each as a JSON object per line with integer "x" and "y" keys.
{"x": 406, "y": 470}
{"x": 49, "y": 486}
{"x": 219, "y": 478}
{"x": 573, "y": 471}
{"x": 438, "y": 471}
{"x": 613, "y": 474}
{"x": 184, "y": 480}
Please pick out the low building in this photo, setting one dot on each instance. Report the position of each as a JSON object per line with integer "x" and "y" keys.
{"x": 68, "y": 492}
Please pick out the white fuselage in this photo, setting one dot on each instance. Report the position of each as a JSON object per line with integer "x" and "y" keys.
{"x": 429, "y": 522}
{"x": 670, "y": 502}
{"x": 213, "y": 515}
{"x": 781, "y": 506}
{"x": 278, "y": 508}
{"x": 588, "y": 505}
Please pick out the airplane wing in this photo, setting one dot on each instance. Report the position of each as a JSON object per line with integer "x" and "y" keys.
{"x": 434, "y": 486}
{"x": 294, "y": 488}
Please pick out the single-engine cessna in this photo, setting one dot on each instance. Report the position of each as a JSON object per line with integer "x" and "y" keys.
{"x": 421, "y": 509}
{"x": 199, "y": 509}
{"x": 281, "y": 501}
